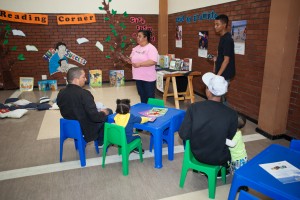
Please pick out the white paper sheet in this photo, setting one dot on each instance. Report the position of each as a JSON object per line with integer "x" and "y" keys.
{"x": 82, "y": 40}
{"x": 18, "y": 32}
{"x": 99, "y": 46}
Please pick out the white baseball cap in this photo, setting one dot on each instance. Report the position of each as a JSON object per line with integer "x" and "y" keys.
{"x": 216, "y": 84}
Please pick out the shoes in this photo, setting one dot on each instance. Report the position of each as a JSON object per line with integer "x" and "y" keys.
{"x": 219, "y": 176}
{"x": 136, "y": 150}
{"x": 100, "y": 146}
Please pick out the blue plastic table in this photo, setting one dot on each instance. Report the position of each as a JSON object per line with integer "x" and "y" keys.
{"x": 256, "y": 178}
{"x": 157, "y": 128}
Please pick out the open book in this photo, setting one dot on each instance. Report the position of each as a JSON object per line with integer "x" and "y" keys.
{"x": 154, "y": 112}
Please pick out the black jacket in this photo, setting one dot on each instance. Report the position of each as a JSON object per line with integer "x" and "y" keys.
{"x": 207, "y": 124}
{"x": 78, "y": 104}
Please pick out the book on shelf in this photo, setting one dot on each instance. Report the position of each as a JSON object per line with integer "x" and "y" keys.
{"x": 163, "y": 61}
{"x": 154, "y": 112}
{"x": 187, "y": 64}
{"x": 116, "y": 78}
{"x": 95, "y": 78}
{"x": 26, "y": 83}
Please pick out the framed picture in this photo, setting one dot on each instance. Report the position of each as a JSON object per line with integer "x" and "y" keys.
{"x": 26, "y": 83}
{"x": 46, "y": 85}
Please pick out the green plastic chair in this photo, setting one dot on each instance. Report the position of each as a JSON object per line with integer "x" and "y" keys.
{"x": 190, "y": 162}
{"x": 156, "y": 102}
{"x": 115, "y": 134}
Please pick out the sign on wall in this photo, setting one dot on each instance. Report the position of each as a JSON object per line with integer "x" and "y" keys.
{"x": 23, "y": 17}
{"x": 238, "y": 33}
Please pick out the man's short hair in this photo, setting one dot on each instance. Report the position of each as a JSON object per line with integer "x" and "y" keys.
{"x": 74, "y": 72}
{"x": 223, "y": 18}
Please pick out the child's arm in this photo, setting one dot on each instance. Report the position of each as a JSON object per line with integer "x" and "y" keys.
{"x": 230, "y": 143}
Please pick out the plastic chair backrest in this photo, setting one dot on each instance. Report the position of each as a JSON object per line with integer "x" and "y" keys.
{"x": 115, "y": 134}
{"x": 70, "y": 128}
{"x": 156, "y": 102}
{"x": 246, "y": 196}
{"x": 295, "y": 145}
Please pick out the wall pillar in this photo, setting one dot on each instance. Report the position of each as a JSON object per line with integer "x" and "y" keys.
{"x": 280, "y": 59}
{"x": 163, "y": 27}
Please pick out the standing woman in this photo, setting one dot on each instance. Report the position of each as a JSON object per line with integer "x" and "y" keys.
{"x": 144, "y": 58}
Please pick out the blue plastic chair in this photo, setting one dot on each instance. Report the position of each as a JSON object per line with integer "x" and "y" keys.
{"x": 295, "y": 145}
{"x": 71, "y": 129}
{"x": 246, "y": 196}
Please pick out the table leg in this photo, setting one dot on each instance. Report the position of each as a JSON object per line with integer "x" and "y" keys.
{"x": 166, "y": 89}
{"x": 157, "y": 149}
{"x": 191, "y": 90}
{"x": 175, "y": 92}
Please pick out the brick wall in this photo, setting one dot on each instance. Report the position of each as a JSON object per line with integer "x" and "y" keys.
{"x": 245, "y": 90}
{"x": 45, "y": 37}
{"x": 293, "y": 124}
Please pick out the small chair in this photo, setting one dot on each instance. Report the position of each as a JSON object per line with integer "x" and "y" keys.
{"x": 295, "y": 145}
{"x": 115, "y": 134}
{"x": 72, "y": 129}
{"x": 156, "y": 102}
{"x": 190, "y": 162}
{"x": 246, "y": 196}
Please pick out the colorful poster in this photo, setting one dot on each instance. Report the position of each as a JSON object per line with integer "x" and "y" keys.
{"x": 203, "y": 44}
{"x": 116, "y": 78}
{"x": 160, "y": 81}
{"x": 95, "y": 78}
{"x": 46, "y": 85}
{"x": 238, "y": 32}
{"x": 178, "y": 37}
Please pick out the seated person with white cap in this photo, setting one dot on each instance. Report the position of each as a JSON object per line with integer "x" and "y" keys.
{"x": 207, "y": 124}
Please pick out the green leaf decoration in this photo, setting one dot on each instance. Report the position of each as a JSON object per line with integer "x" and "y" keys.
{"x": 109, "y": 1}
{"x": 125, "y": 14}
{"x": 115, "y": 34}
{"x": 112, "y": 48}
{"x": 122, "y": 25}
{"x": 106, "y": 18}
{"x": 101, "y": 8}
{"x": 5, "y": 41}
{"x": 108, "y": 56}
{"x": 113, "y": 12}
{"x": 123, "y": 45}
{"x": 124, "y": 37}
{"x": 108, "y": 38}
{"x": 14, "y": 48}
{"x": 21, "y": 57}
{"x": 112, "y": 26}
{"x": 113, "y": 31}
{"x": 7, "y": 27}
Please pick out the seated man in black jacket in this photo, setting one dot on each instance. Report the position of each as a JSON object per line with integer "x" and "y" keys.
{"x": 78, "y": 104}
{"x": 207, "y": 124}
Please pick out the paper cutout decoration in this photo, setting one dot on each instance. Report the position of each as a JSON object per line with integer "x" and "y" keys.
{"x": 31, "y": 48}
{"x": 82, "y": 40}
{"x": 99, "y": 46}
{"x": 18, "y": 32}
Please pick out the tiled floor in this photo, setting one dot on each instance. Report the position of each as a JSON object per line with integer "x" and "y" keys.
{"x": 30, "y": 167}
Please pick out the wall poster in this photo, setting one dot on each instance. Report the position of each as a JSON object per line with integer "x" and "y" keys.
{"x": 203, "y": 44}
{"x": 178, "y": 43}
{"x": 238, "y": 32}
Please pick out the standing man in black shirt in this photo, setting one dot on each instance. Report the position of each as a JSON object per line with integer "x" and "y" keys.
{"x": 225, "y": 61}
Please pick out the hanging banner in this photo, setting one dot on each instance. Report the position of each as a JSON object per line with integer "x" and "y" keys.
{"x": 23, "y": 17}
{"x": 75, "y": 19}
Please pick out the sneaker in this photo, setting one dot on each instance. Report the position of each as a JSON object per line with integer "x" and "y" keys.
{"x": 219, "y": 176}
{"x": 100, "y": 146}
{"x": 136, "y": 150}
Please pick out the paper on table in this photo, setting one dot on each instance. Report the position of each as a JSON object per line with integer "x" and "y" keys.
{"x": 18, "y": 32}
{"x": 283, "y": 171}
{"x": 82, "y": 40}
{"x": 99, "y": 45}
{"x": 31, "y": 48}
